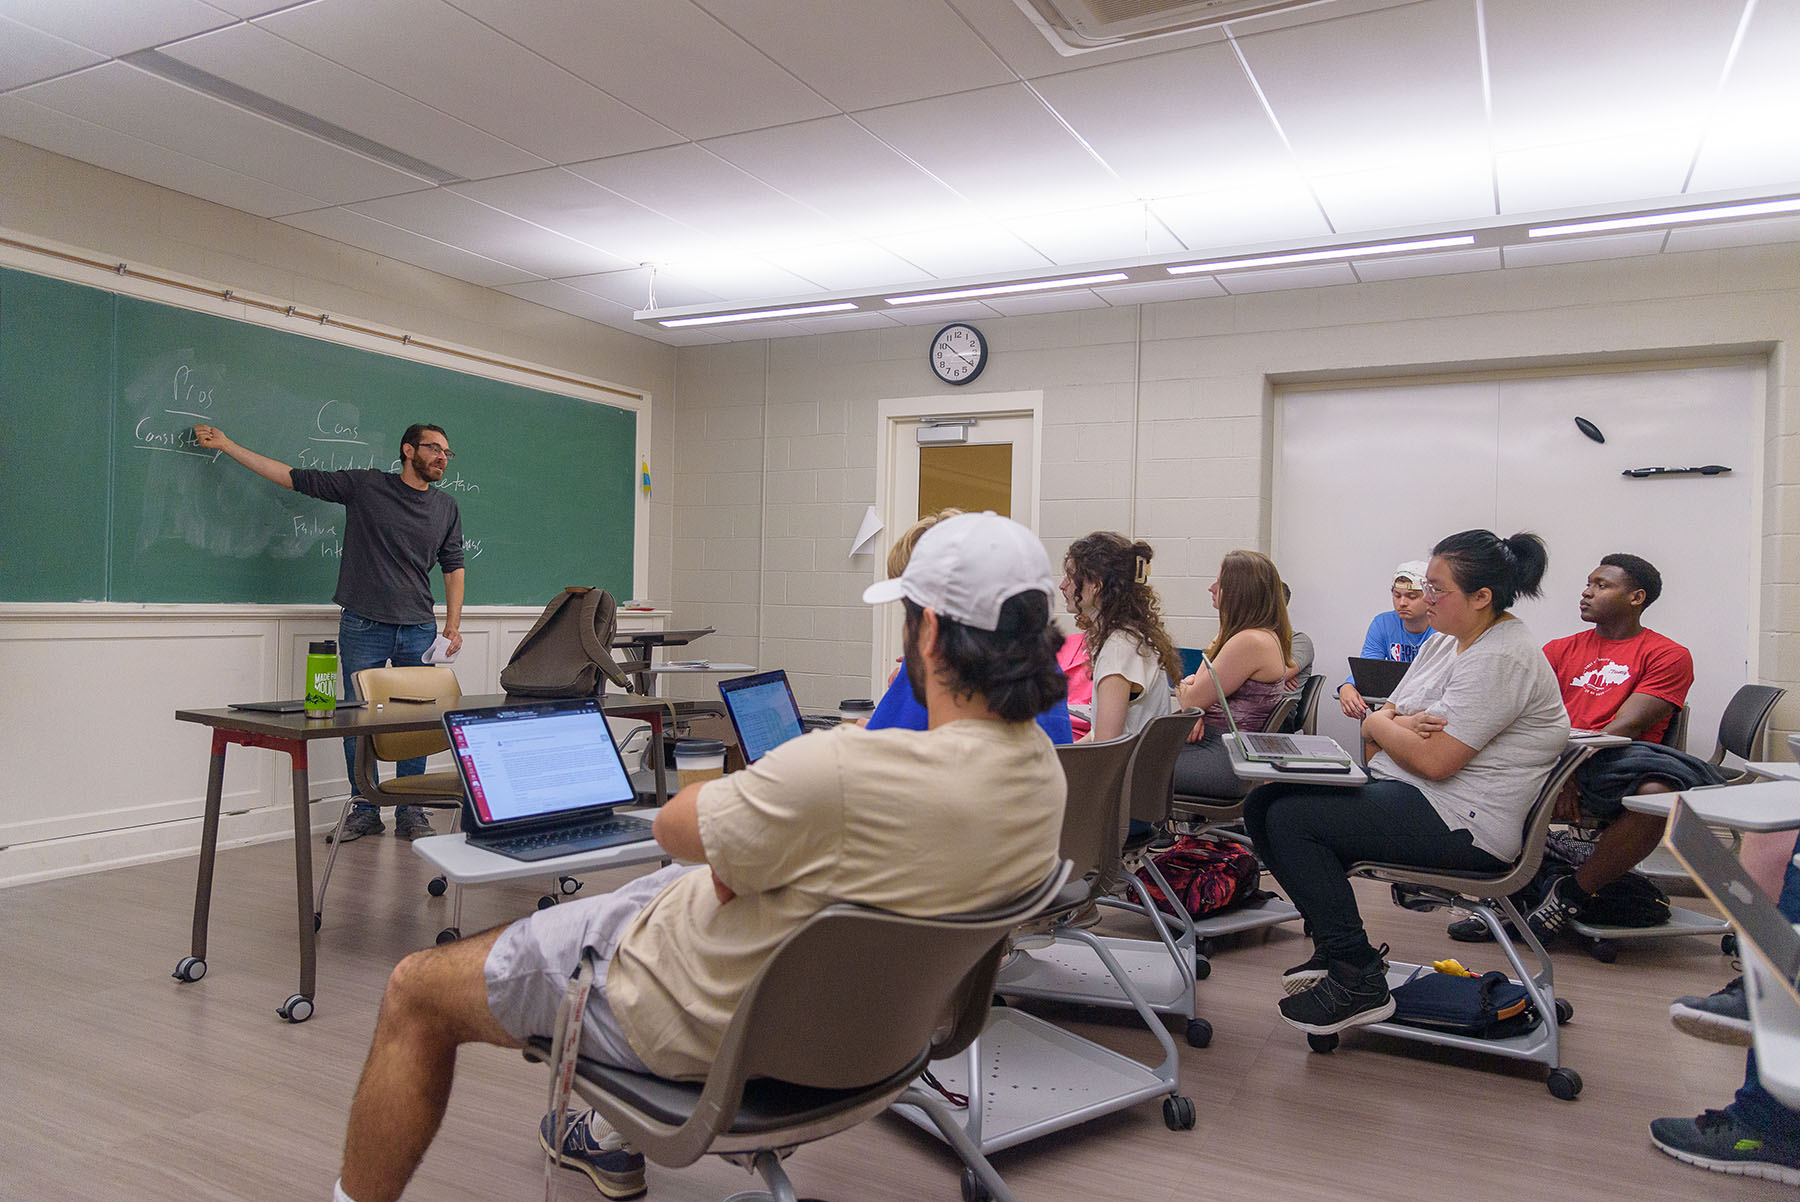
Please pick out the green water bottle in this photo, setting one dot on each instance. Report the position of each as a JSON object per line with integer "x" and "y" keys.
{"x": 321, "y": 678}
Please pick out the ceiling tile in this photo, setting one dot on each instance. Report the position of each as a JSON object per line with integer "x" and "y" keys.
{"x": 840, "y": 266}
{"x": 973, "y": 249}
{"x": 252, "y": 57}
{"x": 631, "y": 288}
{"x": 1059, "y": 302}
{"x": 555, "y": 295}
{"x": 1273, "y": 208}
{"x": 1735, "y": 233}
{"x": 560, "y": 200}
{"x": 727, "y": 85}
{"x": 135, "y": 157}
{"x": 1622, "y": 169}
{"x": 448, "y": 217}
{"x": 730, "y": 279}
{"x": 1001, "y": 148}
{"x": 698, "y": 189}
{"x": 1449, "y": 262}
{"x": 28, "y": 55}
{"x": 842, "y": 170}
{"x": 1752, "y": 136}
{"x": 354, "y": 229}
{"x": 154, "y": 110}
{"x": 1447, "y": 186}
{"x": 1574, "y": 250}
{"x": 1175, "y": 288}
{"x": 863, "y": 53}
{"x": 925, "y": 315}
{"x": 111, "y": 28}
{"x": 448, "y": 60}
{"x": 1091, "y": 235}
{"x": 835, "y": 323}
{"x": 1312, "y": 275}
{"x": 1171, "y": 123}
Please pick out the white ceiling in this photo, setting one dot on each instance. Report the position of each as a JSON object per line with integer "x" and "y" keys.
{"x": 764, "y": 149}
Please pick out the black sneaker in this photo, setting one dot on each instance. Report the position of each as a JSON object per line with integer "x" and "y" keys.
{"x": 1349, "y": 995}
{"x": 411, "y": 823}
{"x": 1561, "y": 906}
{"x": 1717, "y": 1141}
{"x": 616, "y": 1171}
{"x": 1473, "y": 930}
{"x": 364, "y": 820}
{"x": 1302, "y": 977}
{"x": 1722, "y": 1017}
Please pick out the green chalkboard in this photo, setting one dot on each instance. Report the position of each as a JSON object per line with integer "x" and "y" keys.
{"x": 108, "y": 497}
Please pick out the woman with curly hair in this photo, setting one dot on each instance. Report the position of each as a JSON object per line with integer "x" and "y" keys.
{"x": 1253, "y": 657}
{"x": 1106, "y": 581}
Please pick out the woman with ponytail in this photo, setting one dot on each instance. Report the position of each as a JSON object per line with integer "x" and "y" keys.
{"x": 1106, "y": 581}
{"x": 1455, "y": 759}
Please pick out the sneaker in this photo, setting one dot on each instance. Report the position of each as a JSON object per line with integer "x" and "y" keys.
{"x": 1348, "y": 995}
{"x": 363, "y": 820}
{"x": 1473, "y": 930}
{"x": 616, "y": 1171}
{"x": 1722, "y": 1017}
{"x": 411, "y": 824}
{"x": 1302, "y": 977}
{"x": 1561, "y": 905}
{"x": 1718, "y": 1141}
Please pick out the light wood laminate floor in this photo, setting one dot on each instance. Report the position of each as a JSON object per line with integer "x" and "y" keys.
{"x": 121, "y": 1083}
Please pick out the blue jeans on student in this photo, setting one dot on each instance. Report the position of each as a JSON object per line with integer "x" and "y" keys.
{"x": 1755, "y": 1106}
{"x": 366, "y": 643}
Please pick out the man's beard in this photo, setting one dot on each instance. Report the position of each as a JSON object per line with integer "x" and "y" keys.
{"x": 915, "y": 667}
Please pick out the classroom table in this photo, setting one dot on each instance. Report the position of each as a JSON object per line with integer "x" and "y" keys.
{"x": 291, "y": 733}
{"x": 644, "y": 644}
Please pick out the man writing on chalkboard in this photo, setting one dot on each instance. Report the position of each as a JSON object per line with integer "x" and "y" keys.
{"x": 396, "y": 527}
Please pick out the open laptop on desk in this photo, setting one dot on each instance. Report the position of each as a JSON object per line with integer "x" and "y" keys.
{"x": 763, "y": 712}
{"x": 1288, "y": 753}
{"x": 542, "y": 779}
{"x": 1376, "y": 679}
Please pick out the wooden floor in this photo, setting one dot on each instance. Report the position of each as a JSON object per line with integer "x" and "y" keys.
{"x": 121, "y": 1083}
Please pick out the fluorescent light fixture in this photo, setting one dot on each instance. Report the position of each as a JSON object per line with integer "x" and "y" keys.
{"x": 1316, "y": 256}
{"x": 756, "y": 315}
{"x": 1111, "y": 277}
{"x": 1716, "y": 213}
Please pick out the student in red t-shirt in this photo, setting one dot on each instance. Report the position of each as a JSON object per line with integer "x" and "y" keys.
{"x": 1623, "y": 679}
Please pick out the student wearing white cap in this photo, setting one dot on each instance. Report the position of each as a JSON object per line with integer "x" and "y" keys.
{"x": 962, "y": 816}
{"x": 1396, "y": 634}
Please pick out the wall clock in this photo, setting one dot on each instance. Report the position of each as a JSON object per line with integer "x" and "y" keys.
{"x": 958, "y": 353}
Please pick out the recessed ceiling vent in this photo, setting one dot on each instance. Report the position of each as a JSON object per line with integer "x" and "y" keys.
{"x": 1077, "y": 26}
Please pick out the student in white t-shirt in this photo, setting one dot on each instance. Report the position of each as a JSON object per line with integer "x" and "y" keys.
{"x": 1106, "y": 581}
{"x": 1455, "y": 759}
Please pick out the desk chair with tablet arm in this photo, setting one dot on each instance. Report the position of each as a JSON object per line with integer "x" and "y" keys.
{"x": 837, "y": 1026}
{"x": 1489, "y": 897}
{"x": 1026, "y": 1077}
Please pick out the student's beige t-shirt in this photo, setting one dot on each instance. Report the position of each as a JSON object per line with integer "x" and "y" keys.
{"x": 919, "y": 822}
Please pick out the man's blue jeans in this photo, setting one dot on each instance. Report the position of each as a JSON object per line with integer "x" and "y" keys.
{"x": 366, "y": 643}
{"x": 1755, "y": 1106}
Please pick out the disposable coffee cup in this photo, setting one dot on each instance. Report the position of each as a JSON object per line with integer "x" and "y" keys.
{"x": 855, "y": 709}
{"x": 698, "y": 760}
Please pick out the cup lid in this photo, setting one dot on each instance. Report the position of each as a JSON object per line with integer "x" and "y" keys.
{"x": 699, "y": 747}
{"x": 856, "y": 703}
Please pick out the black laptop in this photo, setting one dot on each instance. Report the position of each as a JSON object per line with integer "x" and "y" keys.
{"x": 1377, "y": 677}
{"x": 763, "y": 712}
{"x": 291, "y": 707}
{"x": 542, "y": 779}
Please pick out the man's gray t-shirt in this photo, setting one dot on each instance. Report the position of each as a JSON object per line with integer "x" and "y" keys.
{"x": 1501, "y": 698}
{"x": 393, "y": 534}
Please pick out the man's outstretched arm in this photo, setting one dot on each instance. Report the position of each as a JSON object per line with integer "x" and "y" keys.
{"x": 272, "y": 470}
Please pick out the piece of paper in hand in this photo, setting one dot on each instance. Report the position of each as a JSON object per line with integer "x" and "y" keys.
{"x": 439, "y": 652}
{"x": 871, "y": 526}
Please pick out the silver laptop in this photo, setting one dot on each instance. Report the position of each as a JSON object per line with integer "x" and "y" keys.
{"x": 1293, "y": 753}
{"x": 542, "y": 779}
{"x": 1723, "y": 878}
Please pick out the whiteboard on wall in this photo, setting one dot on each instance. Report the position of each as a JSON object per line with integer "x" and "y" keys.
{"x": 1367, "y": 477}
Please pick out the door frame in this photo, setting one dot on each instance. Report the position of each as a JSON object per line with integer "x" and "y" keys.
{"x": 895, "y": 418}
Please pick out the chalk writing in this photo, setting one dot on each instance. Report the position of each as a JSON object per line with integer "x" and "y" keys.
{"x": 333, "y": 460}
{"x": 471, "y": 548}
{"x": 458, "y": 484}
{"x": 333, "y": 423}
{"x": 312, "y": 527}
{"x": 147, "y": 438}
{"x": 186, "y": 394}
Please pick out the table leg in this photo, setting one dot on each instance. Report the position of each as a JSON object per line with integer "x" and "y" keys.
{"x": 656, "y": 754}
{"x": 193, "y": 966}
{"x": 299, "y": 1007}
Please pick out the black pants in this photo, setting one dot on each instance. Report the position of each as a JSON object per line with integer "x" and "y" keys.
{"x": 1308, "y": 835}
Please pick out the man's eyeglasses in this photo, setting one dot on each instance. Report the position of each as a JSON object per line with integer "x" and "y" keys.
{"x": 432, "y": 448}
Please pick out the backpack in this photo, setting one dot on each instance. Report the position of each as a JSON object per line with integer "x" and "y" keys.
{"x": 1634, "y": 900}
{"x": 1207, "y": 876}
{"x": 568, "y": 651}
{"x": 1487, "y": 1007}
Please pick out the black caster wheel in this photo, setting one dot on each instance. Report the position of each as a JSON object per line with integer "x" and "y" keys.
{"x": 1564, "y": 1011}
{"x": 1604, "y": 950}
{"x": 546, "y": 901}
{"x": 449, "y": 935}
{"x": 188, "y": 969}
{"x": 1199, "y": 1033}
{"x": 972, "y": 1188}
{"x": 1178, "y": 1113}
{"x": 437, "y": 886}
{"x": 1322, "y": 1043}
{"x": 1728, "y": 944}
{"x": 296, "y": 1009}
{"x": 1564, "y": 1084}
{"x": 318, "y": 921}
{"x": 568, "y": 885}
{"x": 1202, "y": 968}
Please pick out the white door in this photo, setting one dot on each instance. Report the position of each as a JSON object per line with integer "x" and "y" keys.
{"x": 984, "y": 456}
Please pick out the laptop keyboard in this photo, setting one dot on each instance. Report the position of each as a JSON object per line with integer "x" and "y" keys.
{"x": 1266, "y": 744}
{"x": 543, "y": 845}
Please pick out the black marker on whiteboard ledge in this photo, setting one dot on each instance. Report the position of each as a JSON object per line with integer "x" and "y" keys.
{"x": 1710, "y": 469}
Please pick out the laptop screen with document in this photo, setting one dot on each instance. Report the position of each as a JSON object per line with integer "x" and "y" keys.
{"x": 537, "y": 761}
{"x": 763, "y": 712}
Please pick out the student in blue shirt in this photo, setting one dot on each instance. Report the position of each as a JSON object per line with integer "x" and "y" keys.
{"x": 1394, "y": 635}
{"x": 899, "y": 707}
